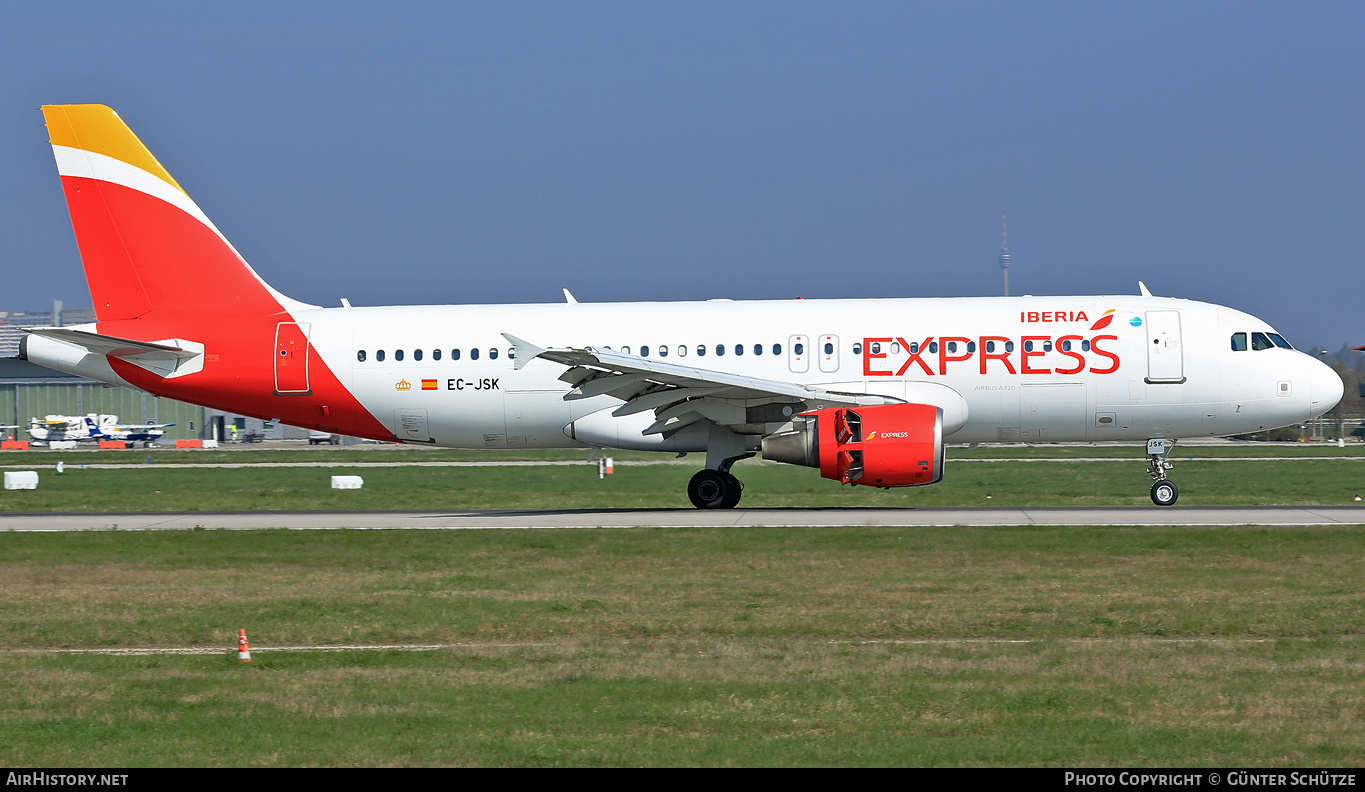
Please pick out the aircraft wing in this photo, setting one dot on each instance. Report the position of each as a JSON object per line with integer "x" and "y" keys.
{"x": 113, "y": 345}
{"x": 677, "y": 394}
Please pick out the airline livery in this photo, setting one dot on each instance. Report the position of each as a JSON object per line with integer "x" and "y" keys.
{"x": 866, "y": 391}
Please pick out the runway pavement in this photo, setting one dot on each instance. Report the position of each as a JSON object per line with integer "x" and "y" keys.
{"x": 682, "y": 518}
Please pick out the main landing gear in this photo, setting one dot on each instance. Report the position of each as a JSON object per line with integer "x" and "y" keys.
{"x": 1164, "y": 491}
{"x": 714, "y": 489}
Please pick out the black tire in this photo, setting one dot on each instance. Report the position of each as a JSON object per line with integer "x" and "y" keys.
{"x": 1164, "y": 492}
{"x": 708, "y": 489}
{"x": 734, "y": 489}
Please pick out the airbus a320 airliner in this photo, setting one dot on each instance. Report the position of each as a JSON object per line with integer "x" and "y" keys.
{"x": 866, "y": 391}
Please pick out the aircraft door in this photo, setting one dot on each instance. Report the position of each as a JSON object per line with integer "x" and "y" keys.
{"x": 798, "y": 354}
{"x": 291, "y": 359}
{"x": 411, "y": 426}
{"x": 829, "y": 353}
{"x": 1165, "y": 358}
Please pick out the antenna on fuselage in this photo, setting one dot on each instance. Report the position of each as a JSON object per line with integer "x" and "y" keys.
{"x": 1005, "y": 250}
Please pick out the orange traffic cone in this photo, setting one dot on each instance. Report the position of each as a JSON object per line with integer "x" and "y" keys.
{"x": 243, "y": 651}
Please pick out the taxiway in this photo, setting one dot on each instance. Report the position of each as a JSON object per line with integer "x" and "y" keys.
{"x": 682, "y": 518}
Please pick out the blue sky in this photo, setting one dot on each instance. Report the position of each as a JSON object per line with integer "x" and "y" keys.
{"x": 496, "y": 152}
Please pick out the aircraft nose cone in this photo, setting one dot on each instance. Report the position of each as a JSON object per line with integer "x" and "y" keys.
{"x": 1325, "y": 389}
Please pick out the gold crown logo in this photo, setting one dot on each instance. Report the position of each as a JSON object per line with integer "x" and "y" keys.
{"x": 402, "y": 385}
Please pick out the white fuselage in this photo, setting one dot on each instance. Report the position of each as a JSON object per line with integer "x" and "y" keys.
{"x": 1160, "y": 367}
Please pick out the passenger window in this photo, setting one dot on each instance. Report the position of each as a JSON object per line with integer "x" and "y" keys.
{"x": 777, "y": 349}
{"x": 1028, "y": 346}
{"x": 1066, "y": 346}
{"x": 1085, "y": 346}
{"x": 701, "y": 350}
{"x": 644, "y": 351}
{"x": 493, "y": 353}
{"x": 858, "y": 348}
{"x": 876, "y": 347}
{"x": 914, "y": 347}
{"x": 720, "y": 349}
{"x": 829, "y": 348}
{"x": 990, "y": 346}
{"x": 799, "y": 349}
{"x": 397, "y": 354}
{"x": 1239, "y": 342}
{"x": 511, "y": 353}
{"x": 895, "y": 347}
{"x": 1279, "y": 341}
{"x": 360, "y": 356}
{"x": 933, "y": 347}
{"x": 435, "y": 354}
{"x": 952, "y": 347}
{"x": 971, "y": 347}
{"x": 758, "y": 349}
{"x": 379, "y": 356}
{"x": 474, "y": 354}
{"x": 682, "y": 351}
{"x": 416, "y": 354}
{"x": 663, "y": 350}
{"x": 739, "y": 349}
{"x": 1047, "y": 346}
{"x": 626, "y": 349}
{"x": 454, "y": 354}
{"x": 1259, "y": 342}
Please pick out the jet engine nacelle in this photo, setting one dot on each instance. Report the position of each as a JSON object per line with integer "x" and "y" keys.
{"x": 889, "y": 445}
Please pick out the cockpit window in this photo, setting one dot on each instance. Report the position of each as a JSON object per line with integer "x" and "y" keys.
{"x": 1259, "y": 342}
{"x": 1239, "y": 342}
{"x": 1279, "y": 341}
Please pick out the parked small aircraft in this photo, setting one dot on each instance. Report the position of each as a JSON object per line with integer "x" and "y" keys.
{"x": 92, "y": 428}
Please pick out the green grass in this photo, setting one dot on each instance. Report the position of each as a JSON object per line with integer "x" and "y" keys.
{"x": 1315, "y": 481}
{"x": 397, "y": 453}
{"x": 736, "y": 646}
{"x": 1019, "y": 646}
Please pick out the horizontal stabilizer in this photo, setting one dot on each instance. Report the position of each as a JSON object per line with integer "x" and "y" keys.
{"x": 113, "y": 345}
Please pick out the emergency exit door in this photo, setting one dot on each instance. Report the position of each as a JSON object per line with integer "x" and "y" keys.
{"x": 291, "y": 359}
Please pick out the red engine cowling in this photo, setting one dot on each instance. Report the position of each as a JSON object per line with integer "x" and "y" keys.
{"x": 889, "y": 445}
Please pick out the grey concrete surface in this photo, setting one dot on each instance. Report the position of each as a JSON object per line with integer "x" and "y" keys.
{"x": 575, "y": 518}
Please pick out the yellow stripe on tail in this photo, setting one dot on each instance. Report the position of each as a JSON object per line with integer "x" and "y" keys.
{"x": 99, "y": 129}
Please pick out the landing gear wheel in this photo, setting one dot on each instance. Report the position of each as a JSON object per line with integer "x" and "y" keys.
{"x": 709, "y": 489}
{"x": 1164, "y": 492}
{"x": 733, "y": 489}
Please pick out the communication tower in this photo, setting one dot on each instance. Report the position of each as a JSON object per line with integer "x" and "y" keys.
{"x": 1005, "y": 252}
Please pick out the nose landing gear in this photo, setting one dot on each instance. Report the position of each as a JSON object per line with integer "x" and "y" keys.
{"x": 1164, "y": 491}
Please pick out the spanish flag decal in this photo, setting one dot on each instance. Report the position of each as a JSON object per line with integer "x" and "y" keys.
{"x": 428, "y": 384}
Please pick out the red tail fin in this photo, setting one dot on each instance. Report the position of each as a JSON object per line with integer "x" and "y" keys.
{"x": 146, "y": 247}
